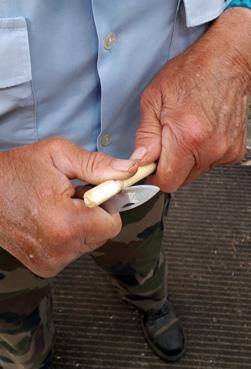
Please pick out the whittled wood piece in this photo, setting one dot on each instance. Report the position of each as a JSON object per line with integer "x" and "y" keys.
{"x": 104, "y": 191}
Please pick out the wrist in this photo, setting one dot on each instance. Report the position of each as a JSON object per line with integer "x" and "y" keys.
{"x": 235, "y": 23}
{"x": 227, "y": 44}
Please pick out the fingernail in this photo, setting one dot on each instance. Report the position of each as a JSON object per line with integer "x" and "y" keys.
{"x": 138, "y": 154}
{"x": 124, "y": 165}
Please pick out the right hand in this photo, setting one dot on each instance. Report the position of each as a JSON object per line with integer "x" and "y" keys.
{"x": 41, "y": 223}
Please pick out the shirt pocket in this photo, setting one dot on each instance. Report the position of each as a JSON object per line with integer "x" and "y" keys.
{"x": 17, "y": 108}
{"x": 203, "y": 11}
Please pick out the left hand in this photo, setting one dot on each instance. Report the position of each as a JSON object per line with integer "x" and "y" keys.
{"x": 194, "y": 113}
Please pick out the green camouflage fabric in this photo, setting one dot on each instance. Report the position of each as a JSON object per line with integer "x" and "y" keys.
{"x": 26, "y": 326}
{"x": 134, "y": 260}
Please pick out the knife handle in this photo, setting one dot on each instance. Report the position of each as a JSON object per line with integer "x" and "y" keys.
{"x": 141, "y": 173}
{"x": 104, "y": 191}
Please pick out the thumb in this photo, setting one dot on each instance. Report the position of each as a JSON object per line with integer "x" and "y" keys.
{"x": 148, "y": 136}
{"x": 91, "y": 167}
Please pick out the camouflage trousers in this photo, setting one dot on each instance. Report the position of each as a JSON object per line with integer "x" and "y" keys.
{"x": 134, "y": 260}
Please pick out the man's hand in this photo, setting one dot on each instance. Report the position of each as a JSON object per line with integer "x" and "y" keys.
{"x": 194, "y": 113}
{"x": 41, "y": 223}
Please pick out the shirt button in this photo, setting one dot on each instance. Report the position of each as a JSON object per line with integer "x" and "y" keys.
{"x": 110, "y": 40}
{"x": 106, "y": 139}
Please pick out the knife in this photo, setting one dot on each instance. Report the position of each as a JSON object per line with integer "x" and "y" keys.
{"x": 130, "y": 197}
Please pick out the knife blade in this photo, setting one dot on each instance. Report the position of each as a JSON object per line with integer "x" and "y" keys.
{"x": 130, "y": 198}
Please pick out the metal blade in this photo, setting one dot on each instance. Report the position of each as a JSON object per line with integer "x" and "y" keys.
{"x": 130, "y": 198}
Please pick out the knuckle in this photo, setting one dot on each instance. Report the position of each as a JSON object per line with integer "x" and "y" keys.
{"x": 193, "y": 131}
{"x": 191, "y": 141}
{"x": 165, "y": 182}
{"x": 220, "y": 151}
{"x": 105, "y": 229}
{"x": 89, "y": 163}
{"x": 168, "y": 188}
{"x": 239, "y": 158}
{"x": 236, "y": 155}
{"x": 196, "y": 137}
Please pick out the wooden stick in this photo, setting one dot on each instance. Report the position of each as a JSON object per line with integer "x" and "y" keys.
{"x": 107, "y": 189}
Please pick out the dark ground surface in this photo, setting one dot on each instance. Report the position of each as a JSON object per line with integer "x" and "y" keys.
{"x": 208, "y": 244}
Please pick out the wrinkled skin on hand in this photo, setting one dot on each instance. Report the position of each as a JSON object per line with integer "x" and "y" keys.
{"x": 194, "y": 113}
{"x": 41, "y": 223}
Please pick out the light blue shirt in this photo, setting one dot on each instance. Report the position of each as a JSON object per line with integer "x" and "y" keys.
{"x": 77, "y": 68}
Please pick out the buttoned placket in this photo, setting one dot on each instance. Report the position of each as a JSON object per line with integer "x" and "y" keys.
{"x": 106, "y": 43}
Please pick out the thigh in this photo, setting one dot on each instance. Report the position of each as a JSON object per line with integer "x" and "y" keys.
{"x": 135, "y": 259}
{"x": 140, "y": 238}
{"x": 26, "y": 329}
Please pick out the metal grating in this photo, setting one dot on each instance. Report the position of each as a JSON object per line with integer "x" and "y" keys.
{"x": 208, "y": 242}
